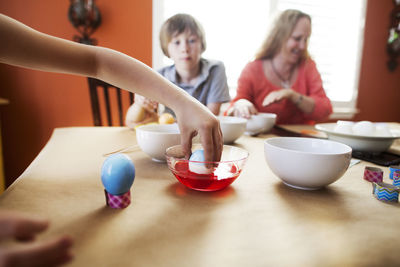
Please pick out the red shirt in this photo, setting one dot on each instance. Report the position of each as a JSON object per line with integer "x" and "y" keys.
{"x": 254, "y": 86}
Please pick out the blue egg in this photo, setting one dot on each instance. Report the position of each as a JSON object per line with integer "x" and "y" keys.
{"x": 198, "y": 167}
{"x": 197, "y": 155}
{"x": 117, "y": 174}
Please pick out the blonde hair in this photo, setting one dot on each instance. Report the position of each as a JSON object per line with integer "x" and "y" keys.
{"x": 178, "y": 24}
{"x": 280, "y": 33}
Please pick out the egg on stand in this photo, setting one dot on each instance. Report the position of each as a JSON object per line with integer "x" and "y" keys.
{"x": 117, "y": 176}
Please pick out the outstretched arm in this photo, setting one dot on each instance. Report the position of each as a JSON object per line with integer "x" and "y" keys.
{"x": 25, "y": 47}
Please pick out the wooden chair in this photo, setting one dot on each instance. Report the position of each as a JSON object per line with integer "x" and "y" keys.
{"x": 94, "y": 99}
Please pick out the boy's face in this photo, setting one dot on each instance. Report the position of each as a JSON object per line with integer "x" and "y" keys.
{"x": 185, "y": 50}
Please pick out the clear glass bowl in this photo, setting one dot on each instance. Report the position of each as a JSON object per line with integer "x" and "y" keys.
{"x": 218, "y": 175}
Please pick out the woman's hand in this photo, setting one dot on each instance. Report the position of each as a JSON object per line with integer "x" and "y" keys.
{"x": 21, "y": 227}
{"x": 243, "y": 108}
{"x": 277, "y": 96}
{"x": 304, "y": 103}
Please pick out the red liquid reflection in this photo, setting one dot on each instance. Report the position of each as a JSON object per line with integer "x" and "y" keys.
{"x": 204, "y": 182}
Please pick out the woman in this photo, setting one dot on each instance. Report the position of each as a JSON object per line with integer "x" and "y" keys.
{"x": 283, "y": 79}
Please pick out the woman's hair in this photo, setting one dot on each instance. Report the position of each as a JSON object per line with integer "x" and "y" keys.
{"x": 178, "y": 24}
{"x": 280, "y": 33}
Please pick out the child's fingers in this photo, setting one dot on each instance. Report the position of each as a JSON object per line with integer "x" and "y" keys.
{"x": 21, "y": 226}
{"x": 186, "y": 142}
{"x": 49, "y": 253}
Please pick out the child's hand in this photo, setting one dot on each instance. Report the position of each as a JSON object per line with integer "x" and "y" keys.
{"x": 137, "y": 115}
{"x": 195, "y": 118}
{"x": 147, "y": 104}
{"x": 18, "y": 226}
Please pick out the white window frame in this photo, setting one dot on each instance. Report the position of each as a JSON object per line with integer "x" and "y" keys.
{"x": 341, "y": 109}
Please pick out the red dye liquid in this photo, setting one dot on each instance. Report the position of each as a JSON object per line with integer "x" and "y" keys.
{"x": 203, "y": 182}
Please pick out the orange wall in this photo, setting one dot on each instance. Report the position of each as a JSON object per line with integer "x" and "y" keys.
{"x": 42, "y": 101}
{"x": 379, "y": 89}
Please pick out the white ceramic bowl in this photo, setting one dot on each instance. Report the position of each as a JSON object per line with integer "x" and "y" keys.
{"x": 154, "y": 139}
{"x": 364, "y": 143}
{"x": 232, "y": 128}
{"x": 307, "y": 163}
{"x": 260, "y": 123}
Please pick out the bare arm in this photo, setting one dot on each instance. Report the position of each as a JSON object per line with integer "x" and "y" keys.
{"x": 214, "y": 107}
{"x": 25, "y": 47}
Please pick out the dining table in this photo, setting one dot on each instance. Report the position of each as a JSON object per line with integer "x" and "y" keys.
{"x": 256, "y": 221}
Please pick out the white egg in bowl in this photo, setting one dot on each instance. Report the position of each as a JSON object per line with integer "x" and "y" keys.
{"x": 375, "y": 140}
{"x": 307, "y": 163}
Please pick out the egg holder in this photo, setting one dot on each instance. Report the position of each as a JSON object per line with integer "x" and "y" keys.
{"x": 396, "y": 178}
{"x": 393, "y": 169}
{"x": 385, "y": 192}
{"x": 381, "y": 190}
{"x": 117, "y": 176}
{"x": 118, "y": 201}
{"x": 372, "y": 174}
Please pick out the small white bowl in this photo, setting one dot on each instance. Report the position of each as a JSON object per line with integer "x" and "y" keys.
{"x": 154, "y": 139}
{"x": 232, "y": 128}
{"x": 260, "y": 123}
{"x": 307, "y": 163}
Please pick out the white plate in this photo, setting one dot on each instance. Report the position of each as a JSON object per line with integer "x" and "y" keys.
{"x": 375, "y": 144}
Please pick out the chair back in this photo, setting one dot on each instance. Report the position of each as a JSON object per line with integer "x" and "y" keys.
{"x": 94, "y": 84}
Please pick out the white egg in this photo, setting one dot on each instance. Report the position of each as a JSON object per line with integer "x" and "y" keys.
{"x": 346, "y": 123}
{"x": 364, "y": 128}
{"x": 345, "y": 129}
{"x": 198, "y": 167}
{"x": 382, "y": 129}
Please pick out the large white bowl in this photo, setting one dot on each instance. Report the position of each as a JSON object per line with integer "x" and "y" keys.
{"x": 232, "y": 128}
{"x": 260, "y": 123}
{"x": 364, "y": 143}
{"x": 307, "y": 163}
{"x": 154, "y": 139}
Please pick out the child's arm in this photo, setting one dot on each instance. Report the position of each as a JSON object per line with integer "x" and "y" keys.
{"x": 25, "y": 47}
{"x": 214, "y": 107}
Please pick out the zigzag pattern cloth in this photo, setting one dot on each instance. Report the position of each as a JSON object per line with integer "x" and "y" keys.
{"x": 396, "y": 178}
{"x": 386, "y": 192}
{"x": 373, "y": 175}
{"x": 118, "y": 201}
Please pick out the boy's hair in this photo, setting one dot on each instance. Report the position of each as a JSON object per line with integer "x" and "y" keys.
{"x": 280, "y": 33}
{"x": 178, "y": 24}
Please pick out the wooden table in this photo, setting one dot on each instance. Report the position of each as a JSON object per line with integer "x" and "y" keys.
{"x": 257, "y": 221}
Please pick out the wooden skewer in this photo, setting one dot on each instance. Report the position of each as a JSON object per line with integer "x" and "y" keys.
{"x": 123, "y": 150}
